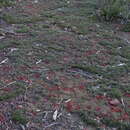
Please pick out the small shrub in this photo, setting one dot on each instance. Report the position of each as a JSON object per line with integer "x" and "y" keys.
{"x": 110, "y": 10}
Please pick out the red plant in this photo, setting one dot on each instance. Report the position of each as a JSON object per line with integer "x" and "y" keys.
{"x": 37, "y": 75}
{"x": 68, "y": 89}
{"x": 56, "y": 105}
{"x": 103, "y": 64}
{"x": 125, "y": 116}
{"x": 90, "y": 52}
{"x": 77, "y": 107}
{"x": 89, "y": 107}
{"x": 6, "y": 89}
{"x": 98, "y": 108}
{"x": 23, "y": 67}
{"x": 54, "y": 88}
{"x": 33, "y": 113}
{"x": 70, "y": 106}
{"x": 25, "y": 79}
{"x": 81, "y": 87}
{"x": 127, "y": 95}
{"x": 116, "y": 109}
{"x": 2, "y": 118}
{"x": 7, "y": 68}
{"x": 100, "y": 97}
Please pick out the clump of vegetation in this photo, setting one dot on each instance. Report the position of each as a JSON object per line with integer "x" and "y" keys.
{"x": 126, "y": 27}
{"x": 10, "y": 95}
{"x": 19, "y": 117}
{"x": 115, "y": 124}
{"x": 6, "y": 3}
{"x": 110, "y": 10}
{"x": 91, "y": 69}
{"x": 86, "y": 119}
{"x": 115, "y": 93}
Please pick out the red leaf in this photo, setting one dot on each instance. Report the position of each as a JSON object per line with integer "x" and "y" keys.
{"x": 37, "y": 75}
{"x": 70, "y": 106}
{"x": 68, "y": 89}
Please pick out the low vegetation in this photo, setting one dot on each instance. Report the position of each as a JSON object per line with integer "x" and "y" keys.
{"x": 110, "y": 10}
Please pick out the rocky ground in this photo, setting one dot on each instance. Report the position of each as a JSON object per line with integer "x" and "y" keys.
{"x": 62, "y": 69}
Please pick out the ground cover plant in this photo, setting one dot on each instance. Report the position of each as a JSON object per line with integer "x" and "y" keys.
{"x": 110, "y": 10}
{"x": 6, "y": 3}
{"x": 61, "y": 68}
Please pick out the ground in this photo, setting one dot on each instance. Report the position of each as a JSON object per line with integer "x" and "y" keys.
{"x": 62, "y": 69}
